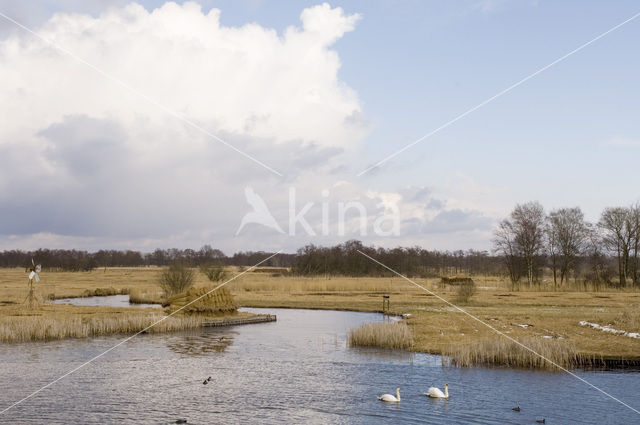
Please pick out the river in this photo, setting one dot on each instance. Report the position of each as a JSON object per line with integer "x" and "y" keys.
{"x": 295, "y": 370}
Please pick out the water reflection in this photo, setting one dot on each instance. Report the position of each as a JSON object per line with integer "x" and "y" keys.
{"x": 200, "y": 343}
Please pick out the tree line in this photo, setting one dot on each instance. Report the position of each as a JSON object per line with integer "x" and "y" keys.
{"x": 343, "y": 259}
{"x": 531, "y": 241}
{"x": 347, "y": 259}
{"x": 77, "y": 260}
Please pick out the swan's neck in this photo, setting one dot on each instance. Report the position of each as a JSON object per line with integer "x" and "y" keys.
{"x": 398, "y": 394}
{"x": 446, "y": 392}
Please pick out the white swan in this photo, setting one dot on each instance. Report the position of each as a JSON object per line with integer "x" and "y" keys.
{"x": 389, "y": 398}
{"x": 436, "y": 393}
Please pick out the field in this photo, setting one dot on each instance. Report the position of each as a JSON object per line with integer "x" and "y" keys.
{"x": 550, "y": 319}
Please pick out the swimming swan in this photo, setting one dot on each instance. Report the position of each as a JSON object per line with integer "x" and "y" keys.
{"x": 389, "y": 398}
{"x": 436, "y": 393}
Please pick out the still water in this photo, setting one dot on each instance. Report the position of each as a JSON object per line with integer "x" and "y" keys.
{"x": 295, "y": 370}
{"x": 106, "y": 301}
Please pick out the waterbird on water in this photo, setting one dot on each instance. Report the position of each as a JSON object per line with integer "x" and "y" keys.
{"x": 436, "y": 393}
{"x": 517, "y": 408}
{"x": 541, "y": 421}
{"x": 206, "y": 381}
{"x": 389, "y": 398}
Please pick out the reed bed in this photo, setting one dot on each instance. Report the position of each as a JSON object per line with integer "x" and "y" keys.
{"x": 503, "y": 352}
{"x": 43, "y": 328}
{"x": 381, "y": 335}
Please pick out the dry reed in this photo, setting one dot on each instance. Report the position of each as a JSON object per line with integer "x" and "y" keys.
{"x": 382, "y": 335}
{"x": 503, "y": 352}
{"x": 37, "y": 328}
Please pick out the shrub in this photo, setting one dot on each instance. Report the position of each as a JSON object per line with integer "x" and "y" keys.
{"x": 214, "y": 272}
{"x": 465, "y": 292}
{"x": 176, "y": 278}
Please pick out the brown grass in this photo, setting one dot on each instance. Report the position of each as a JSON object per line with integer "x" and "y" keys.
{"x": 381, "y": 335}
{"x": 49, "y": 327}
{"x": 499, "y": 351}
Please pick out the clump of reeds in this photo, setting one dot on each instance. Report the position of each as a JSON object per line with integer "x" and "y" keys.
{"x": 503, "y": 352}
{"x": 203, "y": 300}
{"x": 35, "y": 328}
{"x": 382, "y": 335}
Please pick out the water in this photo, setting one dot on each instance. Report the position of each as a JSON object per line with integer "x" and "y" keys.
{"x": 295, "y": 370}
{"x": 106, "y": 301}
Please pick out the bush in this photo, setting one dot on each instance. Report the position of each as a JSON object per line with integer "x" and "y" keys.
{"x": 177, "y": 278}
{"x": 465, "y": 292}
{"x": 214, "y": 272}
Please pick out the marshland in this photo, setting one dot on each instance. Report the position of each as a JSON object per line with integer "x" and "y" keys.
{"x": 549, "y": 319}
{"x": 419, "y": 341}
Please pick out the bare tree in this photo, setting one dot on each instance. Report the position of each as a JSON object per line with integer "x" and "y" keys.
{"x": 619, "y": 231}
{"x": 505, "y": 245}
{"x": 528, "y": 224}
{"x": 567, "y": 236}
{"x": 176, "y": 278}
{"x": 634, "y": 220}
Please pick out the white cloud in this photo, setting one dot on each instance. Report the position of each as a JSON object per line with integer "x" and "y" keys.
{"x": 82, "y": 157}
{"x": 85, "y": 163}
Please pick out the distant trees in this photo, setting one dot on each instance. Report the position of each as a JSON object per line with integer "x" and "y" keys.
{"x": 528, "y": 240}
{"x": 345, "y": 260}
{"x": 75, "y": 260}
{"x": 621, "y": 236}
{"x": 566, "y": 233}
{"x": 520, "y": 239}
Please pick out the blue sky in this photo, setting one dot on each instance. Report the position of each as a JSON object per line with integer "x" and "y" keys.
{"x": 567, "y": 137}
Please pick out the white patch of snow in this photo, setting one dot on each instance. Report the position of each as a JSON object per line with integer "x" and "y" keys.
{"x": 610, "y": 329}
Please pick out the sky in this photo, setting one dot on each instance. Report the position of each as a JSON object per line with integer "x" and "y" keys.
{"x": 141, "y": 125}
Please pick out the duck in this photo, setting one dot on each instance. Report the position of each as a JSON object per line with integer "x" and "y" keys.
{"x": 434, "y": 392}
{"x": 517, "y": 408}
{"x": 541, "y": 421}
{"x": 389, "y": 398}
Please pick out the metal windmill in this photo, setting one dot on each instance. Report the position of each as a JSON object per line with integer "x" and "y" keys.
{"x": 34, "y": 275}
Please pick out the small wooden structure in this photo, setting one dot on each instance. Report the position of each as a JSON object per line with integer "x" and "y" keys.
{"x": 386, "y": 303}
